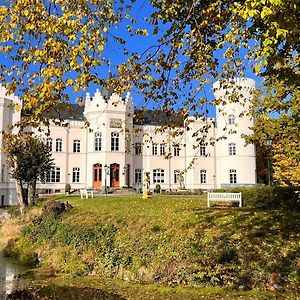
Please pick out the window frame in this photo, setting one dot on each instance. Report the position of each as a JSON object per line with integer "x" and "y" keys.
{"x": 203, "y": 176}
{"x": 53, "y": 176}
{"x": 232, "y": 176}
{"x": 231, "y": 119}
{"x": 232, "y": 149}
{"x": 176, "y": 176}
{"x": 138, "y": 149}
{"x": 97, "y": 141}
{"x": 154, "y": 149}
{"x": 114, "y": 141}
{"x": 58, "y": 145}
{"x": 162, "y": 148}
{"x": 76, "y": 175}
{"x": 76, "y": 146}
{"x": 49, "y": 143}
{"x": 158, "y": 176}
{"x": 137, "y": 176}
{"x": 176, "y": 150}
{"x": 202, "y": 150}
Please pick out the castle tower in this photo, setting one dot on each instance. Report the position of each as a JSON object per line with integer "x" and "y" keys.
{"x": 235, "y": 162}
{"x": 110, "y": 119}
{"x": 8, "y": 116}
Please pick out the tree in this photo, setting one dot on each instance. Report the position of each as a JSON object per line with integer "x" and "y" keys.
{"x": 58, "y": 45}
{"x": 29, "y": 160}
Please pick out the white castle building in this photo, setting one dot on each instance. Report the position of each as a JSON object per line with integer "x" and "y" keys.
{"x": 117, "y": 149}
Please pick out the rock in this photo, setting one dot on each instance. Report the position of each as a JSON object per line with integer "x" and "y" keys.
{"x": 56, "y": 208}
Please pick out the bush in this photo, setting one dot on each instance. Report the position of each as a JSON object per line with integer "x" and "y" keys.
{"x": 157, "y": 189}
{"x": 265, "y": 197}
{"x": 67, "y": 188}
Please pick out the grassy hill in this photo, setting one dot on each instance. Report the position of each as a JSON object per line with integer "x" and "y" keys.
{"x": 172, "y": 240}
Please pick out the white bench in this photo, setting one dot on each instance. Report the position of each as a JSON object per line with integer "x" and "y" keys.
{"x": 86, "y": 193}
{"x": 224, "y": 197}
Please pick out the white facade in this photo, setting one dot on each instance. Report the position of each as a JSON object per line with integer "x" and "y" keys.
{"x": 117, "y": 151}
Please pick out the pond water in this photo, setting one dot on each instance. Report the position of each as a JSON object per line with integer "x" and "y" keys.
{"x": 9, "y": 273}
{"x": 11, "y": 287}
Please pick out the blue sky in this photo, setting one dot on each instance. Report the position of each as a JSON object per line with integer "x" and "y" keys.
{"x": 138, "y": 44}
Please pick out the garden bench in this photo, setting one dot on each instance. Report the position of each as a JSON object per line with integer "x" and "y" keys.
{"x": 224, "y": 197}
{"x": 86, "y": 193}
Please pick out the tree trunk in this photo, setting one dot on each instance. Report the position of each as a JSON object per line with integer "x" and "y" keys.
{"x": 20, "y": 196}
{"x": 20, "y": 192}
{"x": 31, "y": 191}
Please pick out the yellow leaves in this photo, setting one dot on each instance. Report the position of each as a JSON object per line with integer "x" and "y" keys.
{"x": 17, "y": 107}
{"x": 266, "y": 11}
{"x": 26, "y": 13}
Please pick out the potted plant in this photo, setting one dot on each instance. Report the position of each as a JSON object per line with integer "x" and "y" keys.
{"x": 67, "y": 189}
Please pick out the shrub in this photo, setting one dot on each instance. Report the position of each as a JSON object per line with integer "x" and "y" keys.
{"x": 67, "y": 188}
{"x": 265, "y": 197}
{"x": 157, "y": 189}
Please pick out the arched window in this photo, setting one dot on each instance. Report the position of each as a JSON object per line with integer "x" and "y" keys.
{"x": 76, "y": 175}
{"x": 158, "y": 176}
{"x": 232, "y": 149}
{"x": 114, "y": 141}
{"x": 137, "y": 176}
{"x": 97, "y": 141}
{"x": 231, "y": 119}
{"x": 76, "y": 146}
{"x": 58, "y": 145}
{"x": 232, "y": 176}
{"x": 203, "y": 176}
{"x": 53, "y": 175}
{"x": 176, "y": 176}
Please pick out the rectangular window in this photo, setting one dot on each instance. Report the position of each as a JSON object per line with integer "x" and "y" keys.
{"x": 76, "y": 175}
{"x": 49, "y": 143}
{"x": 176, "y": 151}
{"x": 232, "y": 176}
{"x": 202, "y": 150}
{"x": 114, "y": 141}
{"x": 138, "y": 176}
{"x": 76, "y": 146}
{"x": 97, "y": 141}
{"x": 162, "y": 149}
{"x": 154, "y": 149}
{"x": 58, "y": 145}
{"x": 158, "y": 176}
{"x": 53, "y": 175}
{"x": 232, "y": 149}
{"x": 138, "y": 149}
{"x": 203, "y": 176}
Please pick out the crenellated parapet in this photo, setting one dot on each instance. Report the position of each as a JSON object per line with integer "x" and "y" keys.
{"x": 241, "y": 86}
{"x": 4, "y": 97}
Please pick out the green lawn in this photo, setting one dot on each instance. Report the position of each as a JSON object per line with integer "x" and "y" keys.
{"x": 169, "y": 240}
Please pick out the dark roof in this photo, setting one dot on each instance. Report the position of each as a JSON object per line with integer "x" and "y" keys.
{"x": 141, "y": 117}
{"x": 157, "y": 118}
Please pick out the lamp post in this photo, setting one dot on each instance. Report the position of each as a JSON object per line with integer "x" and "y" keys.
{"x": 268, "y": 143}
{"x": 106, "y": 172}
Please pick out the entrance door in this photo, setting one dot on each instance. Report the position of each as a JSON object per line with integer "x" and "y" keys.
{"x": 115, "y": 175}
{"x": 97, "y": 176}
